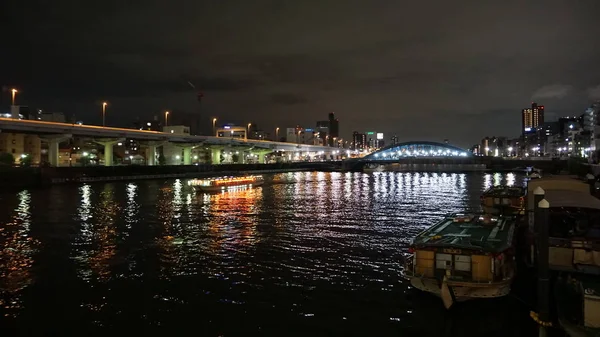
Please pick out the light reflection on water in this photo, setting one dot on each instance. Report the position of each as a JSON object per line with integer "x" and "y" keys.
{"x": 326, "y": 249}
{"x": 17, "y": 249}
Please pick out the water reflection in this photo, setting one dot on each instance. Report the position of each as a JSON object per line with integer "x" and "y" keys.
{"x": 324, "y": 252}
{"x": 95, "y": 244}
{"x": 16, "y": 255}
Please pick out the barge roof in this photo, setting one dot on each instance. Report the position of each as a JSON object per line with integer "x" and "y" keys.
{"x": 505, "y": 191}
{"x": 478, "y": 232}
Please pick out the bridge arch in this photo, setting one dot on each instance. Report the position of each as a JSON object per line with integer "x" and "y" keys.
{"x": 417, "y": 149}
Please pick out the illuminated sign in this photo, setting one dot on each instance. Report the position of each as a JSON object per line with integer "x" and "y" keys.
{"x": 227, "y": 127}
{"x": 308, "y": 130}
{"x": 370, "y": 133}
{"x": 379, "y": 135}
{"x": 527, "y": 129}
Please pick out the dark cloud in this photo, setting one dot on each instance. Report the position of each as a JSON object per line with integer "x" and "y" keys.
{"x": 552, "y": 91}
{"x": 594, "y": 93}
{"x": 288, "y": 99}
{"x": 396, "y": 67}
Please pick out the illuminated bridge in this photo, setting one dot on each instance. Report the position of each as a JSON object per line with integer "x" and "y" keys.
{"x": 421, "y": 149}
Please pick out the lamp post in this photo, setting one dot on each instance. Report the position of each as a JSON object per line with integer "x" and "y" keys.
{"x": 104, "y": 104}
{"x": 214, "y": 126}
{"x": 276, "y": 134}
{"x": 166, "y": 118}
{"x": 14, "y": 94}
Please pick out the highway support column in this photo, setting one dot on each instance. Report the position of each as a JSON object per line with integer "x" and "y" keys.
{"x": 108, "y": 149}
{"x": 53, "y": 147}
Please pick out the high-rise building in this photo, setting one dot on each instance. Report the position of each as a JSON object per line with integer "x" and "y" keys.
{"x": 532, "y": 118}
{"x": 359, "y": 141}
{"x": 591, "y": 123}
{"x": 334, "y": 126}
{"x": 330, "y": 127}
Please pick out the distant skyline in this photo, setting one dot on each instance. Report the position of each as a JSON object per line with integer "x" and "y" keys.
{"x": 424, "y": 71}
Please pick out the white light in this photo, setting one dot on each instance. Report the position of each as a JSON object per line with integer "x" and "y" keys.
{"x": 177, "y": 157}
{"x": 119, "y": 144}
{"x": 510, "y": 149}
{"x": 85, "y": 154}
{"x": 149, "y": 124}
{"x": 195, "y": 157}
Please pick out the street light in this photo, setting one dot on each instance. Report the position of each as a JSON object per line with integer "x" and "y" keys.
{"x": 276, "y": 134}
{"x": 166, "y": 118}
{"x": 104, "y": 104}
{"x": 214, "y": 126}
{"x": 14, "y": 93}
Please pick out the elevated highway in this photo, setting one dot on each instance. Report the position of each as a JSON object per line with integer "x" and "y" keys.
{"x": 53, "y": 128}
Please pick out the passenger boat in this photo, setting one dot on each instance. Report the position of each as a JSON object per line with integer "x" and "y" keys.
{"x": 464, "y": 256}
{"x": 504, "y": 200}
{"x": 226, "y": 183}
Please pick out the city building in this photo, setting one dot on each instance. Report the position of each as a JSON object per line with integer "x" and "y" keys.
{"x": 359, "y": 141}
{"x": 591, "y": 121}
{"x": 177, "y": 129}
{"x": 329, "y": 130}
{"x": 301, "y": 135}
{"x": 21, "y": 146}
{"x": 256, "y": 133}
{"x": 232, "y": 131}
{"x": 334, "y": 126}
{"x": 532, "y": 118}
{"x": 375, "y": 140}
{"x": 57, "y": 117}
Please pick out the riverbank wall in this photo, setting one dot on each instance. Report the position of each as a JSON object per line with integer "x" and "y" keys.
{"x": 16, "y": 177}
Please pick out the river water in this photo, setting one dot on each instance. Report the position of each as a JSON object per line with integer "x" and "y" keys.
{"x": 320, "y": 257}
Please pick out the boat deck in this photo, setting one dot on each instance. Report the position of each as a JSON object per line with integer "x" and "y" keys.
{"x": 505, "y": 191}
{"x": 474, "y": 231}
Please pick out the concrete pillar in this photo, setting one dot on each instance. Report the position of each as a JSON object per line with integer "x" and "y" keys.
{"x": 53, "y": 146}
{"x": 151, "y": 155}
{"x": 108, "y": 154}
{"x": 187, "y": 156}
{"x": 261, "y": 154}
{"x": 215, "y": 155}
{"x": 108, "y": 149}
{"x": 151, "y": 147}
{"x": 53, "y": 152}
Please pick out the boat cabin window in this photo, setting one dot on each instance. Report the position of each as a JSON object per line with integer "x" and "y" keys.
{"x": 442, "y": 261}
{"x": 462, "y": 262}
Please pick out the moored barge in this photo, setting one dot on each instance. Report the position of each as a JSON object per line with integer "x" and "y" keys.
{"x": 464, "y": 256}
{"x": 504, "y": 200}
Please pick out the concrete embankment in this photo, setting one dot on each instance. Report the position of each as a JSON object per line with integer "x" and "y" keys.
{"x": 15, "y": 177}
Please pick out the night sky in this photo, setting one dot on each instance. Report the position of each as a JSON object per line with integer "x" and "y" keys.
{"x": 424, "y": 70}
